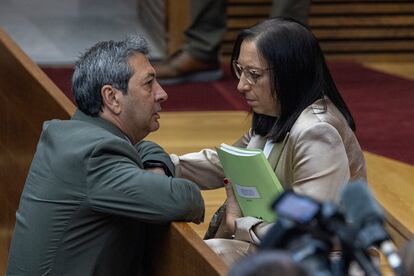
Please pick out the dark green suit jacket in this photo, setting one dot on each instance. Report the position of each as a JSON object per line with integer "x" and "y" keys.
{"x": 87, "y": 201}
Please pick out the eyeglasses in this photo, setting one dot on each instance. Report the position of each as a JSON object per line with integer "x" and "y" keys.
{"x": 252, "y": 74}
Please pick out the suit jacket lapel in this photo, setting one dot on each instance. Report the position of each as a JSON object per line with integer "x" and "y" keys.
{"x": 256, "y": 142}
{"x": 276, "y": 153}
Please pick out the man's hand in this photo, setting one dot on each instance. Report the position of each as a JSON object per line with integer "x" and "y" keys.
{"x": 156, "y": 170}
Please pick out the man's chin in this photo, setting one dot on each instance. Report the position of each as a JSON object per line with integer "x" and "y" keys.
{"x": 154, "y": 126}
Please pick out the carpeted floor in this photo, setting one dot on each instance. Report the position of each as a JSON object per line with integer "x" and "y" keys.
{"x": 382, "y": 104}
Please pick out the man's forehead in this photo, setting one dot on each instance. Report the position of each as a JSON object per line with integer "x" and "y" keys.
{"x": 141, "y": 65}
{"x": 138, "y": 59}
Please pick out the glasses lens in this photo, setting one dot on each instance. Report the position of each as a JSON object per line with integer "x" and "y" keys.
{"x": 249, "y": 77}
{"x": 237, "y": 69}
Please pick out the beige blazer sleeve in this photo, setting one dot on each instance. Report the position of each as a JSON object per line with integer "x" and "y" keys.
{"x": 204, "y": 167}
{"x": 201, "y": 167}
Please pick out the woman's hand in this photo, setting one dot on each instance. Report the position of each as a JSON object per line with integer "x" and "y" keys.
{"x": 232, "y": 210}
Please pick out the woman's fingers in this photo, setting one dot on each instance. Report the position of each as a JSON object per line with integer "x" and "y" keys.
{"x": 229, "y": 191}
{"x": 228, "y": 188}
{"x": 232, "y": 210}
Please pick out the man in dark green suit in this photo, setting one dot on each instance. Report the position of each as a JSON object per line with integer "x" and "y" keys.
{"x": 94, "y": 185}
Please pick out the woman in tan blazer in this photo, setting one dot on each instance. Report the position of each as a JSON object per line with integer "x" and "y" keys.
{"x": 299, "y": 120}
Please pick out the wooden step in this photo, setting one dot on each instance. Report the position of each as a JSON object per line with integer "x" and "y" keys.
{"x": 322, "y": 9}
{"x": 358, "y": 30}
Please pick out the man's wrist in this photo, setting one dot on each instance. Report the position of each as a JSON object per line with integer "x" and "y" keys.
{"x": 157, "y": 164}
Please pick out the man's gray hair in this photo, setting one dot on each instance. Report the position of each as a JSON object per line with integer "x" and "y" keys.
{"x": 105, "y": 63}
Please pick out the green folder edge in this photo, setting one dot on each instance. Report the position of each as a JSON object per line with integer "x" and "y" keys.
{"x": 259, "y": 208}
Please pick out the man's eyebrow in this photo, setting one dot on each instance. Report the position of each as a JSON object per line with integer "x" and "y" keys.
{"x": 149, "y": 75}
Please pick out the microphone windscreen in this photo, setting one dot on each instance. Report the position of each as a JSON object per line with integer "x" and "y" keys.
{"x": 359, "y": 204}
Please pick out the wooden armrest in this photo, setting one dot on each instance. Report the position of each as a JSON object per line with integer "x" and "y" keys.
{"x": 181, "y": 252}
{"x": 392, "y": 183}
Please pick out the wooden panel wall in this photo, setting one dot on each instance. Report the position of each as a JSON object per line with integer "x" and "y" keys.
{"x": 350, "y": 29}
{"x": 24, "y": 108}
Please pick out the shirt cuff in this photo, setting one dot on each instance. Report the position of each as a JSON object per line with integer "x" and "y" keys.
{"x": 244, "y": 229}
{"x": 157, "y": 164}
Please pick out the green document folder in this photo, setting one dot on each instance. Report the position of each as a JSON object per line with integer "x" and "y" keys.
{"x": 254, "y": 183}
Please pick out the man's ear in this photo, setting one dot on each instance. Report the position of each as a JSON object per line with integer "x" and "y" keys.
{"x": 111, "y": 98}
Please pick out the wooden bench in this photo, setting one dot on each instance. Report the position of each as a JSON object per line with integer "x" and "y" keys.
{"x": 29, "y": 98}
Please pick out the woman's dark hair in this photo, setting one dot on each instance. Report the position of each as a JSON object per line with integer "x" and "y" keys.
{"x": 299, "y": 74}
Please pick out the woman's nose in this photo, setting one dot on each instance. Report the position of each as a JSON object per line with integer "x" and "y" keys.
{"x": 243, "y": 85}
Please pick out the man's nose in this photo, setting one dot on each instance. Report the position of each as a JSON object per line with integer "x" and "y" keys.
{"x": 160, "y": 94}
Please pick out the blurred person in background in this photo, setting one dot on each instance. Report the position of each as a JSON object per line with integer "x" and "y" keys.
{"x": 198, "y": 59}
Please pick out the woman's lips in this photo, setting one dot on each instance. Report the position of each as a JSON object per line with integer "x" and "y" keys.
{"x": 250, "y": 102}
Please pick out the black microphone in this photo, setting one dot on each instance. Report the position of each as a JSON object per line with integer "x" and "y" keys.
{"x": 367, "y": 217}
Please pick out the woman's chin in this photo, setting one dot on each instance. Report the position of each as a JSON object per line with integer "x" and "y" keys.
{"x": 263, "y": 112}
